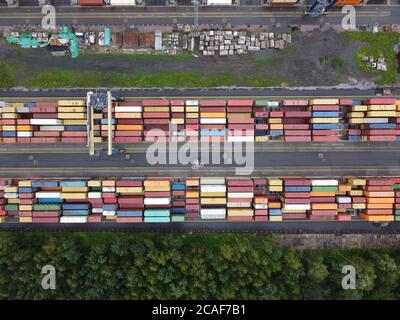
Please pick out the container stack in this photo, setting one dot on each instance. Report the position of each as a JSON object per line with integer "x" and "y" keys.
{"x": 130, "y": 200}
{"x": 129, "y": 122}
{"x": 323, "y": 199}
{"x": 295, "y": 121}
{"x": 75, "y": 208}
{"x": 73, "y": 115}
{"x": 213, "y": 198}
{"x": 3, "y": 213}
{"x": 325, "y": 120}
{"x": 48, "y": 202}
{"x": 260, "y": 200}
{"x": 110, "y": 201}
{"x": 344, "y": 202}
{"x": 396, "y": 187}
{"x": 192, "y": 120}
{"x": 156, "y": 115}
{"x": 96, "y": 200}
{"x": 296, "y": 198}
{"x": 157, "y": 200}
{"x": 240, "y": 121}
{"x": 178, "y": 120}
{"x": 192, "y": 197}
{"x": 212, "y": 120}
{"x": 24, "y": 129}
{"x": 275, "y": 121}
{"x": 26, "y": 199}
{"x": 9, "y": 122}
{"x": 178, "y": 210}
{"x": 45, "y": 125}
{"x": 380, "y": 196}
{"x": 240, "y": 198}
{"x": 260, "y": 120}
{"x": 357, "y": 195}
{"x": 13, "y": 203}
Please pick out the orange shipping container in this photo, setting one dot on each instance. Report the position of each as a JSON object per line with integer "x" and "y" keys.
{"x": 127, "y": 127}
{"x": 125, "y": 115}
{"x": 379, "y": 206}
{"x": 323, "y": 193}
{"x": 324, "y": 206}
{"x": 380, "y": 200}
{"x": 382, "y": 194}
{"x": 376, "y": 218}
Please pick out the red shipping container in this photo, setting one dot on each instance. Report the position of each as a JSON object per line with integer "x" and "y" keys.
{"x": 128, "y": 139}
{"x": 94, "y": 218}
{"x": 243, "y": 120}
{"x": 324, "y": 132}
{"x": 297, "y": 201}
{"x": 45, "y": 220}
{"x": 261, "y": 218}
{"x": 346, "y": 102}
{"x": 23, "y": 140}
{"x": 296, "y": 182}
{"x": 297, "y": 114}
{"x": 212, "y": 109}
{"x": 380, "y": 101}
{"x": 296, "y": 126}
{"x": 343, "y": 217}
{"x": 212, "y": 103}
{"x": 129, "y": 219}
{"x": 297, "y": 138}
{"x": 240, "y": 109}
{"x": 297, "y": 132}
{"x": 74, "y": 140}
{"x": 156, "y": 103}
{"x": 325, "y": 108}
{"x": 325, "y": 138}
{"x": 240, "y": 103}
{"x": 46, "y": 133}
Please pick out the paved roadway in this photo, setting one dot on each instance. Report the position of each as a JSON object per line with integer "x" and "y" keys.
{"x": 270, "y": 159}
{"x": 249, "y": 93}
{"x": 242, "y": 15}
{"x": 337, "y": 227}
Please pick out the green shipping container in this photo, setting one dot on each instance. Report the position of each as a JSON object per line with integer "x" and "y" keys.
{"x": 178, "y": 218}
{"x": 156, "y": 219}
{"x": 260, "y": 103}
{"x": 397, "y": 186}
{"x": 396, "y": 218}
{"x": 397, "y": 212}
{"x": 156, "y": 213}
{"x": 46, "y": 207}
{"x": 326, "y": 189}
{"x": 11, "y": 207}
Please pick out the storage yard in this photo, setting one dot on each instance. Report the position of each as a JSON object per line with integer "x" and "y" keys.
{"x": 176, "y": 200}
{"x": 290, "y": 120}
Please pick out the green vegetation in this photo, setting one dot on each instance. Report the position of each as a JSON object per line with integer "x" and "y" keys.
{"x": 69, "y": 79}
{"x": 7, "y": 75}
{"x": 334, "y": 62}
{"x": 200, "y": 266}
{"x": 378, "y": 45}
{"x": 136, "y": 56}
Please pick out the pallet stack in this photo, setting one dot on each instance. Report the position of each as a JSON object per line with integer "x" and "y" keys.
{"x": 325, "y": 120}
{"x": 192, "y": 198}
{"x": 295, "y": 121}
{"x": 323, "y": 199}
{"x": 213, "y": 120}
{"x": 157, "y": 201}
{"x": 240, "y": 121}
{"x": 240, "y": 198}
{"x": 156, "y": 115}
{"x": 296, "y": 198}
{"x": 213, "y": 198}
{"x": 130, "y": 200}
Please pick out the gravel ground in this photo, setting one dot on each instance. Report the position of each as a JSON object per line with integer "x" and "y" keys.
{"x": 298, "y": 65}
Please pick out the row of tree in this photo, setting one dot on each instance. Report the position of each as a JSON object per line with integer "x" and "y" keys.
{"x": 207, "y": 266}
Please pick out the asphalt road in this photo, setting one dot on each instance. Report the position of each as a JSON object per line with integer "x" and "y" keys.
{"x": 337, "y": 227}
{"x": 249, "y": 93}
{"x": 270, "y": 159}
{"x": 242, "y": 15}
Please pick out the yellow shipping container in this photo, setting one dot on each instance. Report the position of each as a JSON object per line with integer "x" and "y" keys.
{"x": 13, "y": 201}
{"x": 275, "y": 182}
{"x": 24, "y": 128}
{"x": 382, "y": 107}
{"x": 25, "y": 207}
{"x": 105, "y": 128}
{"x": 123, "y": 115}
{"x": 275, "y": 188}
{"x": 178, "y": 109}
{"x": 357, "y": 182}
{"x": 192, "y": 194}
{"x": 25, "y": 219}
{"x": 157, "y": 183}
{"x": 275, "y": 218}
{"x": 323, "y": 193}
{"x": 156, "y": 109}
{"x": 9, "y": 115}
{"x": 3, "y": 219}
{"x": 68, "y": 103}
{"x": 9, "y": 128}
{"x": 276, "y": 126}
{"x": 108, "y": 183}
{"x": 213, "y": 201}
{"x": 356, "y": 120}
{"x": 324, "y": 101}
{"x": 238, "y": 115}
{"x": 274, "y": 121}
{"x": 213, "y": 194}
{"x": 324, "y": 206}
{"x": 130, "y": 190}
{"x": 97, "y": 116}
{"x": 73, "y": 195}
{"x": 71, "y": 115}
{"x": 94, "y": 183}
{"x": 24, "y": 183}
{"x": 74, "y": 189}
{"x": 69, "y": 122}
{"x": 113, "y": 217}
{"x": 240, "y": 212}
{"x": 178, "y": 121}
{"x": 192, "y": 182}
{"x": 379, "y": 206}
{"x": 157, "y": 188}
{"x": 9, "y": 109}
{"x": 192, "y": 115}
{"x": 261, "y": 138}
{"x": 192, "y": 109}
{"x": 10, "y": 189}
{"x": 17, "y": 104}
{"x": 376, "y": 218}
{"x": 71, "y": 109}
{"x": 212, "y": 114}
{"x": 356, "y": 114}
{"x": 358, "y": 206}
{"x": 381, "y": 114}
{"x": 356, "y": 193}
{"x": 129, "y": 127}
{"x": 324, "y": 120}
{"x": 359, "y": 108}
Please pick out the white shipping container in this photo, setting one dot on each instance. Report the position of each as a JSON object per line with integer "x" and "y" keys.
{"x": 219, "y": 211}
{"x": 108, "y": 212}
{"x": 161, "y": 201}
{"x": 108, "y": 189}
{"x": 212, "y": 120}
{"x": 330, "y": 182}
{"x": 24, "y": 134}
{"x": 213, "y": 188}
{"x": 240, "y": 138}
{"x": 122, "y": 2}
{"x": 97, "y": 210}
{"x": 274, "y": 104}
{"x": 11, "y": 195}
{"x": 219, "y": 2}
{"x": 296, "y": 207}
{"x": 192, "y": 103}
{"x": 46, "y": 121}
{"x": 73, "y": 219}
{"x": 128, "y": 109}
{"x": 51, "y": 128}
{"x": 343, "y": 199}
{"x": 261, "y": 206}
{"x": 212, "y": 181}
{"x": 47, "y": 194}
{"x": 240, "y": 194}
{"x": 376, "y": 120}
{"x": 239, "y": 204}
{"x": 94, "y": 195}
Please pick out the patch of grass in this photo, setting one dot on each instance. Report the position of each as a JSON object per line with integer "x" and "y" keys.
{"x": 334, "y": 62}
{"x": 137, "y": 56}
{"x": 7, "y": 75}
{"x": 378, "y": 45}
{"x": 71, "y": 79}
